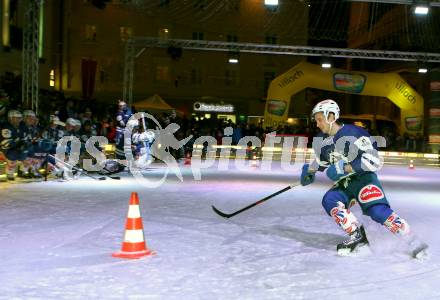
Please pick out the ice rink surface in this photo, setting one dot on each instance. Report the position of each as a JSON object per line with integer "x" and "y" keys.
{"x": 57, "y": 239}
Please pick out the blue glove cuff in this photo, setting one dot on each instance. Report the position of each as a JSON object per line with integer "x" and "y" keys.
{"x": 336, "y": 171}
{"x": 306, "y": 177}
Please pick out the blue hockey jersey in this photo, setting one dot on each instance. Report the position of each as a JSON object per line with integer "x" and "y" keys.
{"x": 122, "y": 118}
{"x": 351, "y": 143}
{"x": 11, "y": 137}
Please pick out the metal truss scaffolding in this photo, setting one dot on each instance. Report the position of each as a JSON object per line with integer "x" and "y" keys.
{"x": 128, "y": 71}
{"x": 30, "y": 58}
{"x": 147, "y": 42}
{"x": 405, "y": 2}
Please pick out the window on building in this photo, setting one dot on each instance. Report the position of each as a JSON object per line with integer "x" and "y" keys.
{"x": 52, "y": 78}
{"x": 164, "y": 33}
{"x": 125, "y": 33}
{"x": 162, "y": 73}
{"x": 198, "y": 36}
{"x": 271, "y": 39}
{"x": 90, "y": 33}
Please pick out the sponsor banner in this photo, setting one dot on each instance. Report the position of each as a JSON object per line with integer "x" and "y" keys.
{"x": 303, "y": 75}
{"x": 276, "y": 107}
{"x": 370, "y": 193}
{"x": 435, "y": 86}
{"x": 434, "y": 112}
{"x": 351, "y": 83}
{"x": 434, "y": 108}
{"x": 434, "y": 138}
{"x": 206, "y": 107}
{"x": 413, "y": 123}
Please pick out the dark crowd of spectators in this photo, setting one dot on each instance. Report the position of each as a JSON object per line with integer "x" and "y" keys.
{"x": 100, "y": 120}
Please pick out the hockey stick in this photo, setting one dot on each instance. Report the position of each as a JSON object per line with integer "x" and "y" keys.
{"x": 111, "y": 177}
{"x": 76, "y": 168}
{"x": 225, "y": 215}
{"x": 46, "y": 166}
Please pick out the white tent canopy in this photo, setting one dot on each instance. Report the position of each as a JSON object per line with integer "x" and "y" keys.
{"x": 155, "y": 103}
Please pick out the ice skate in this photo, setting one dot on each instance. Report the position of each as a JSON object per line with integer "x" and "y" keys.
{"x": 3, "y": 175}
{"x": 416, "y": 248}
{"x": 24, "y": 174}
{"x": 356, "y": 240}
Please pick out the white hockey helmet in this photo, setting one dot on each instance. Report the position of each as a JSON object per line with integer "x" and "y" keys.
{"x": 326, "y": 107}
{"x": 29, "y": 113}
{"x": 14, "y": 114}
{"x": 132, "y": 123}
{"x": 77, "y": 123}
{"x": 71, "y": 121}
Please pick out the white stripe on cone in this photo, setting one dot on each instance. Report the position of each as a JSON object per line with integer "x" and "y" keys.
{"x": 133, "y": 212}
{"x": 134, "y": 236}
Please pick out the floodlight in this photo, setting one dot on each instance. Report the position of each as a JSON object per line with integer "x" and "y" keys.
{"x": 421, "y": 10}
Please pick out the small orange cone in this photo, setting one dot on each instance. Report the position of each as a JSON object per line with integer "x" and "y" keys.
{"x": 133, "y": 245}
{"x": 187, "y": 159}
{"x": 254, "y": 162}
{"x": 411, "y": 164}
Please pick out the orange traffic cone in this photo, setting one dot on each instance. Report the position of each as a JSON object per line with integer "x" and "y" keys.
{"x": 133, "y": 245}
{"x": 254, "y": 162}
{"x": 187, "y": 159}
{"x": 411, "y": 164}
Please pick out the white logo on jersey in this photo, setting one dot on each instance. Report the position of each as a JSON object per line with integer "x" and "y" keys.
{"x": 364, "y": 143}
{"x": 370, "y": 193}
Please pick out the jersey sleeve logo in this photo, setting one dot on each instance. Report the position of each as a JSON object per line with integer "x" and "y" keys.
{"x": 370, "y": 193}
{"x": 364, "y": 143}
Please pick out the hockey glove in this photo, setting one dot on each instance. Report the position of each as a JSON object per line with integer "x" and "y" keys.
{"x": 336, "y": 171}
{"x": 147, "y": 136}
{"x": 306, "y": 177}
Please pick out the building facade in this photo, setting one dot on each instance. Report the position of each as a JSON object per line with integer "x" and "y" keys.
{"x": 93, "y": 43}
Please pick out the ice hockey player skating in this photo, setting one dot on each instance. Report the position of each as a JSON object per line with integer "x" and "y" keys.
{"x": 349, "y": 156}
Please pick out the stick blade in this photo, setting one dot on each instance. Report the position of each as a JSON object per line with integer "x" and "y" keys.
{"x": 221, "y": 214}
{"x": 115, "y": 177}
{"x": 102, "y": 178}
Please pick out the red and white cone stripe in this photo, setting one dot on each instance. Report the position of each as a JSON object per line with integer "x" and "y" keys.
{"x": 133, "y": 245}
